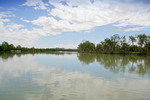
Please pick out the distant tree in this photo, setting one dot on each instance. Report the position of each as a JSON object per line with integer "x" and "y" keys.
{"x": 107, "y": 44}
{"x": 5, "y": 46}
{"x": 125, "y": 48}
{"x": 111, "y": 43}
{"x": 99, "y": 47}
{"x": 33, "y": 48}
{"x": 147, "y": 46}
{"x": 11, "y": 47}
{"x": 132, "y": 39}
{"x": 123, "y": 40}
{"x": 124, "y": 45}
{"x": 148, "y": 38}
{"x": 1, "y": 48}
{"x": 142, "y": 39}
{"x": 18, "y": 47}
{"x": 115, "y": 40}
{"x": 86, "y": 46}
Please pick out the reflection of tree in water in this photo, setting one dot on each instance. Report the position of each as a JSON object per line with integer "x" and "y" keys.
{"x": 5, "y": 56}
{"x": 86, "y": 58}
{"x": 119, "y": 63}
{"x": 143, "y": 66}
{"x": 114, "y": 63}
{"x": 18, "y": 54}
{"x": 111, "y": 62}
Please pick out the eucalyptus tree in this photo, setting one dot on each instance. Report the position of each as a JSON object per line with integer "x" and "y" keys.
{"x": 11, "y": 47}
{"x": 5, "y": 46}
{"x": 86, "y": 46}
{"x": 147, "y": 46}
{"x": 132, "y": 39}
{"x": 114, "y": 40}
{"x": 1, "y": 48}
{"x": 18, "y": 47}
{"x": 124, "y": 45}
{"x": 99, "y": 47}
{"x": 107, "y": 44}
{"x": 142, "y": 39}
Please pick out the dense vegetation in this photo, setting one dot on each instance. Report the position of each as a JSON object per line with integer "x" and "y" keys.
{"x": 115, "y": 44}
{"x": 5, "y": 47}
{"x": 139, "y": 44}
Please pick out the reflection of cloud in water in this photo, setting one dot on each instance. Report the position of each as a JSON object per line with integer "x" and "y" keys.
{"x": 16, "y": 66}
{"x": 59, "y": 84}
{"x": 82, "y": 86}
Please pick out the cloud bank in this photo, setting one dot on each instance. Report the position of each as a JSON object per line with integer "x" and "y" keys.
{"x": 75, "y": 16}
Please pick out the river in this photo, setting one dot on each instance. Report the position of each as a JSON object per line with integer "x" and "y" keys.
{"x": 74, "y": 76}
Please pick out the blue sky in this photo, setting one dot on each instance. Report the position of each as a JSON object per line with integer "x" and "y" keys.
{"x": 66, "y": 23}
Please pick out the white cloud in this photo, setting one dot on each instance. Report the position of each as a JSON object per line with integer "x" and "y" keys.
{"x": 67, "y": 46}
{"x": 36, "y": 4}
{"x": 17, "y": 34}
{"x": 6, "y": 14}
{"x": 27, "y": 21}
{"x": 81, "y": 15}
{"x": 14, "y": 26}
{"x": 20, "y": 35}
{"x": 136, "y": 29}
{"x": 101, "y": 13}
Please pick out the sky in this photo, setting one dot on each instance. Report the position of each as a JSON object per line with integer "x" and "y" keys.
{"x": 66, "y": 23}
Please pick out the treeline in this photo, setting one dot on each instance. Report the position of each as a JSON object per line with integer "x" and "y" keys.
{"x": 139, "y": 44}
{"x": 6, "y": 47}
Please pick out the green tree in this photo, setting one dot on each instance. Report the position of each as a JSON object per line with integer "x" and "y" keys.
{"x": 1, "y": 48}
{"x": 124, "y": 45}
{"x": 107, "y": 44}
{"x": 142, "y": 39}
{"x": 115, "y": 40}
{"x": 99, "y": 47}
{"x": 11, "y": 47}
{"x": 5, "y": 46}
{"x": 18, "y": 47}
{"x": 132, "y": 39}
{"x": 86, "y": 46}
{"x": 147, "y": 46}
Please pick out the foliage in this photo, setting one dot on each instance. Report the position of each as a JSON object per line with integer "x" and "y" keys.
{"x": 142, "y": 39}
{"x": 132, "y": 39}
{"x": 86, "y": 47}
{"x": 114, "y": 44}
{"x": 5, "y": 47}
{"x": 117, "y": 44}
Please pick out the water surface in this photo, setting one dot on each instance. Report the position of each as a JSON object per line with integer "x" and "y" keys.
{"x": 74, "y": 76}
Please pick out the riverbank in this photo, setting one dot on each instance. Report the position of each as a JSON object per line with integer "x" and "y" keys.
{"x": 120, "y": 53}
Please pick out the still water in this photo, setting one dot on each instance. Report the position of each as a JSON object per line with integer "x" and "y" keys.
{"x": 74, "y": 76}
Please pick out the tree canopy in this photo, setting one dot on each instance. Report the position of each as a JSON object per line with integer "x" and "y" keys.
{"x": 117, "y": 44}
{"x": 86, "y": 46}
